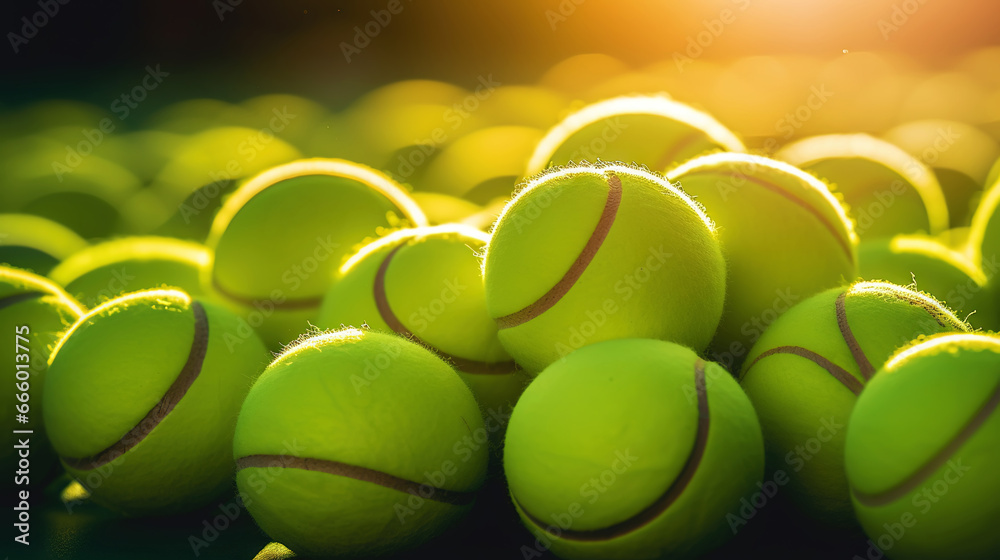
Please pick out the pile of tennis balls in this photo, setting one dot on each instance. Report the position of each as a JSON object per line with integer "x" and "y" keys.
{"x": 677, "y": 329}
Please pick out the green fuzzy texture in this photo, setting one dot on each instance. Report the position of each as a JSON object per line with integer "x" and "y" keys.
{"x": 652, "y": 131}
{"x": 983, "y": 243}
{"x": 784, "y": 238}
{"x": 905, "y": 445}
{"x": 369, "y": 400}
{"x": 803, "y": 409}
{"x": 115, "y": 366}
{"x": 943, "y": 273}
{"x": 107, "y": 270}
{"x": 34, "y": 243}
{"x": 886, "y": 190}
{"x": 279, "y": 240}
{"x": 434, "y": 287}
{"x": 659, "y": 243}
{"x": 572, "y": 453}
{"x": 41, "y": 317}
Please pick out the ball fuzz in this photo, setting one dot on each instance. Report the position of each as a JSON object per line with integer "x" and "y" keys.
{"x": 358, "y": 443}
{"x": 590, "y": 253}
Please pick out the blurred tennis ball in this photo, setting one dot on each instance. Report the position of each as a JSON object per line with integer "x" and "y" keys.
{"x": 887, "y": 191}
{"x": 358, "y": 443}
{"x": 280, "y": 238}
{"x": 444, "y": 208}
{"x": 783, "y": 235}
{"x": 86, "y": 193}
{"x": 921, "y": 450}
{"x": 141, "y": 398}
{"x": 578, "y": 73}
{"x": 35, "y": 313}
{"x": 946, "y": 274}
{"x": 484, "y": 219}
{"x": 482, "y": 165}
{"x": 805, "y": 373}
{"x": 959, "y": 154}
{"x": 653, "y": 131}
{"x": 426, "y": 285}
{"x": 524, "y": 105}
{"x": 107, "y": 270}
{"x": 983, "y": 244}
{"x": 632, "y": 449}
{"x": 597, "y": 252}
{"x": 34, "y": 243}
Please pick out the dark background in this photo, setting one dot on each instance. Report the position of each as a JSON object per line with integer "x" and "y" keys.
{"x": 94, "y": 50}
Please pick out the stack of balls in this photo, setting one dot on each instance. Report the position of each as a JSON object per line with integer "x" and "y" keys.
{"x": 671, "y": 323}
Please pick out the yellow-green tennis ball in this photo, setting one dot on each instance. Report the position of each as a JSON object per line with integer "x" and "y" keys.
{"x": 444, "y": 208}
{"x": 806, "y": 243}
{"x": 653, "y": 131}
{"x": 946, "y": 274}
{"x": 960, "y": 155}
{"x": 597, "y": 252}
{"x": 426, "y": 285}
{"x": 484, "y": 164}
{"x": 34, "y": 243}
{"x": 141, "y": 399}
{"x": 632, "y": 449}
{"x": 107, "y": 270}
{"x": 994, "y": 174}
{"x": 887, "y": 190}
{"x": 34, "y": 314}
{"x": 358, "y": 443}
{"x": 983, "y": 243}
{"x": 921, "y": 451}
{"x": 279, "y": 240}
{"x": 806, "y": 371}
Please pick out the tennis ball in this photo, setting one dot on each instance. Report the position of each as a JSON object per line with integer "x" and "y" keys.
{"x": 994, "y": 174}
{"x": 426, "y": 285}
{"x": 141, "y": 398}
{"x": 444, "y": 208}
{"x": 887, "y": 190}
{"x": 357, "y": 443}
{"x": 959, "y": 154}
{"x": 983, "y": 243}
{"x": 921, "y": 450}
{"x": 946, "y": 274}
{"x": 34, "y": 243}
{"x": 34, "y": 313}
{"x": 597, "y": 252}
{"x": 484, "y": 164}
{"x": 805, "y": 372}
{"x": 107, "y": 270}
{"x": 654, "y": 131}
{"x": 485, "y": 218}
{"x": 279, "y": 240}
{"x": 783, "y": 235}
{"x": 85, "y": 194}
{"x": 632, "y": 448}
